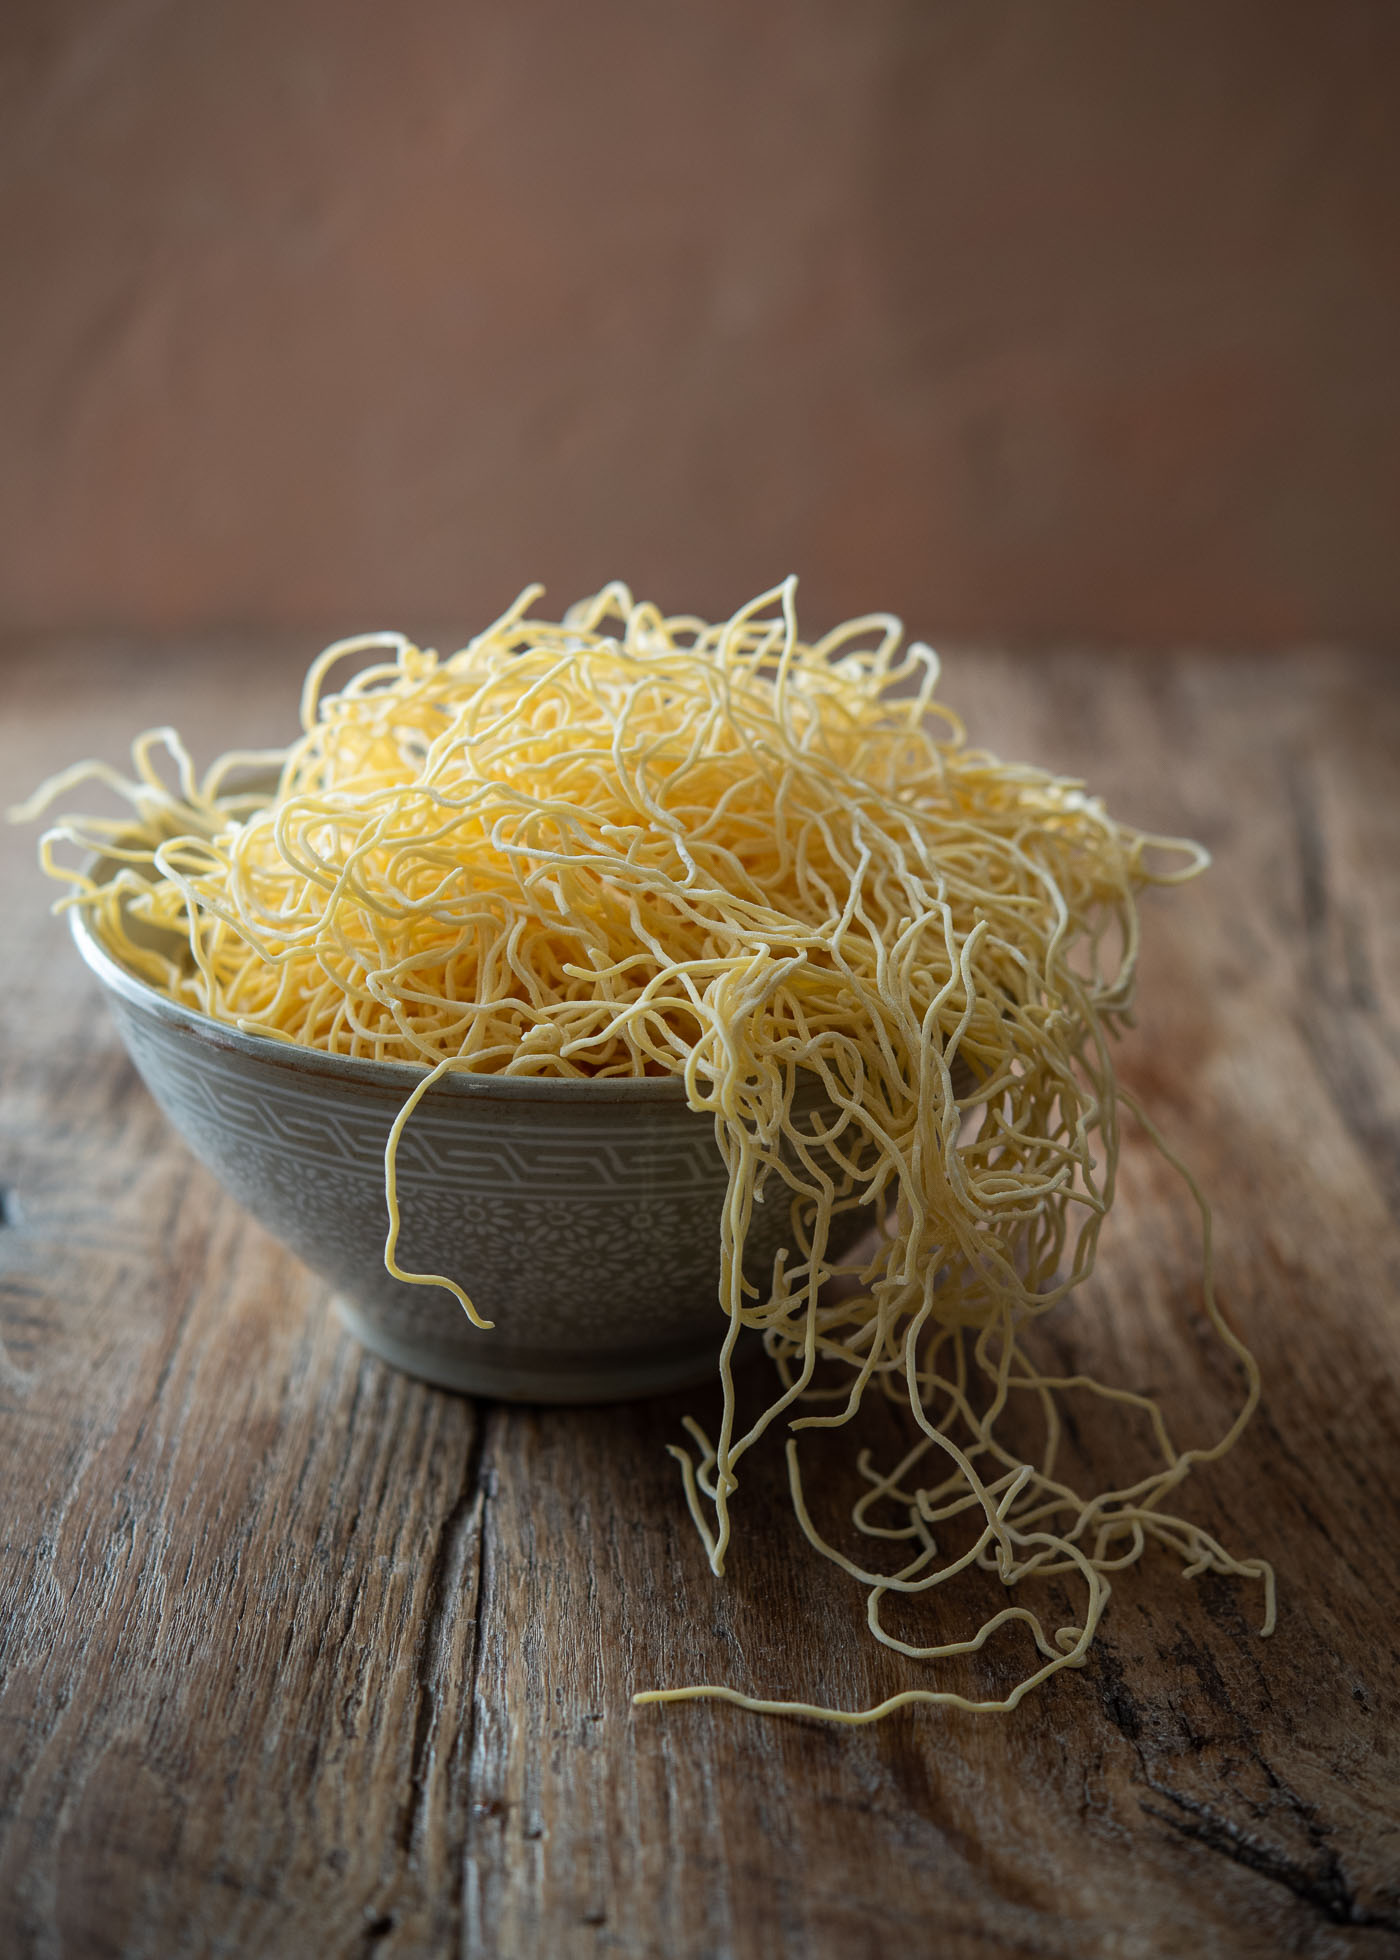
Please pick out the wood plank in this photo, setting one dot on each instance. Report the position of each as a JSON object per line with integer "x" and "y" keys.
{"x": 299, "y": 1656}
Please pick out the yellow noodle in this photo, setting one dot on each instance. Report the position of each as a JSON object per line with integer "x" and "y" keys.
{"x": 621, "y": 844}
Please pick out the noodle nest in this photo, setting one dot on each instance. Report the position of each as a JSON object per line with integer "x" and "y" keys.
{"x": 626, "y": 844}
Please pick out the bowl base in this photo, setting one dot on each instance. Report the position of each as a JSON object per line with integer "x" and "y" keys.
{"x": 513, "y": 1375}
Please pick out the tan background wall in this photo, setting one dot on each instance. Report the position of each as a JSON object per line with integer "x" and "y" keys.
{"x": 1034, "y": 320}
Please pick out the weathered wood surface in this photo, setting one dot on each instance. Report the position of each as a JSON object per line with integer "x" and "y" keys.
{"x": 298, "y": 1656}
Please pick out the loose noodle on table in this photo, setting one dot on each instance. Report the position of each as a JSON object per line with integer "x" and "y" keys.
{"x": 624, "y": 844}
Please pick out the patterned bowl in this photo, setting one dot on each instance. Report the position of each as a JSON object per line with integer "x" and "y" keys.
{"x": 583, "y": 1217}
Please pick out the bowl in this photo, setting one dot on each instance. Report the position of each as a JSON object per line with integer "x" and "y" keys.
{"x": 581, "y": 1216}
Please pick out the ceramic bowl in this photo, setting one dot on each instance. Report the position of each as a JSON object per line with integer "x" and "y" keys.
{"x": 582, "y": 1217}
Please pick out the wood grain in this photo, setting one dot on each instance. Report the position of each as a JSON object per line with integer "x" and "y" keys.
{"x": 298, "y": 1656}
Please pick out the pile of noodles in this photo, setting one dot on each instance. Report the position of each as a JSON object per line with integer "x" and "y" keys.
{"x": 626, "y": 844}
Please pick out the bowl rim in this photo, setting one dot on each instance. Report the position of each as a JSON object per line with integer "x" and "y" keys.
{"x": 400, "y": 1077}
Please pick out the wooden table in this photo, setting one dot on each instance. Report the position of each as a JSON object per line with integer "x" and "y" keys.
{"x": 301, "y": 1657}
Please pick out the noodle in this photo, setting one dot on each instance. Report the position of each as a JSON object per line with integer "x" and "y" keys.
{"x": 622, "y": 844}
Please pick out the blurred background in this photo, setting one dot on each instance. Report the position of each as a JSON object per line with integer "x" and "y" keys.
{"x": 1038, "y": 324}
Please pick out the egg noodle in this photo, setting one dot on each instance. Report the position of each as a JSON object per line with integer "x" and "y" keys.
{"x": 625, "y": 844}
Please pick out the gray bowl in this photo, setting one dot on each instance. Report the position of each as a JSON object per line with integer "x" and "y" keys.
{"x": 583, "y": 1217}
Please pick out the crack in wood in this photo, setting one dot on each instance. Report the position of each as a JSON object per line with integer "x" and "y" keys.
{"x": 1311, "y": 849}
{"x": 464, "y": 1521}
{"x": 377, "y": 1931}
{"x": 1323, "y": 1884}
{"x": 1326, "y": 1887}
{"x": 1114, "y": 1695}
{"x": 487, "y": 1419}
